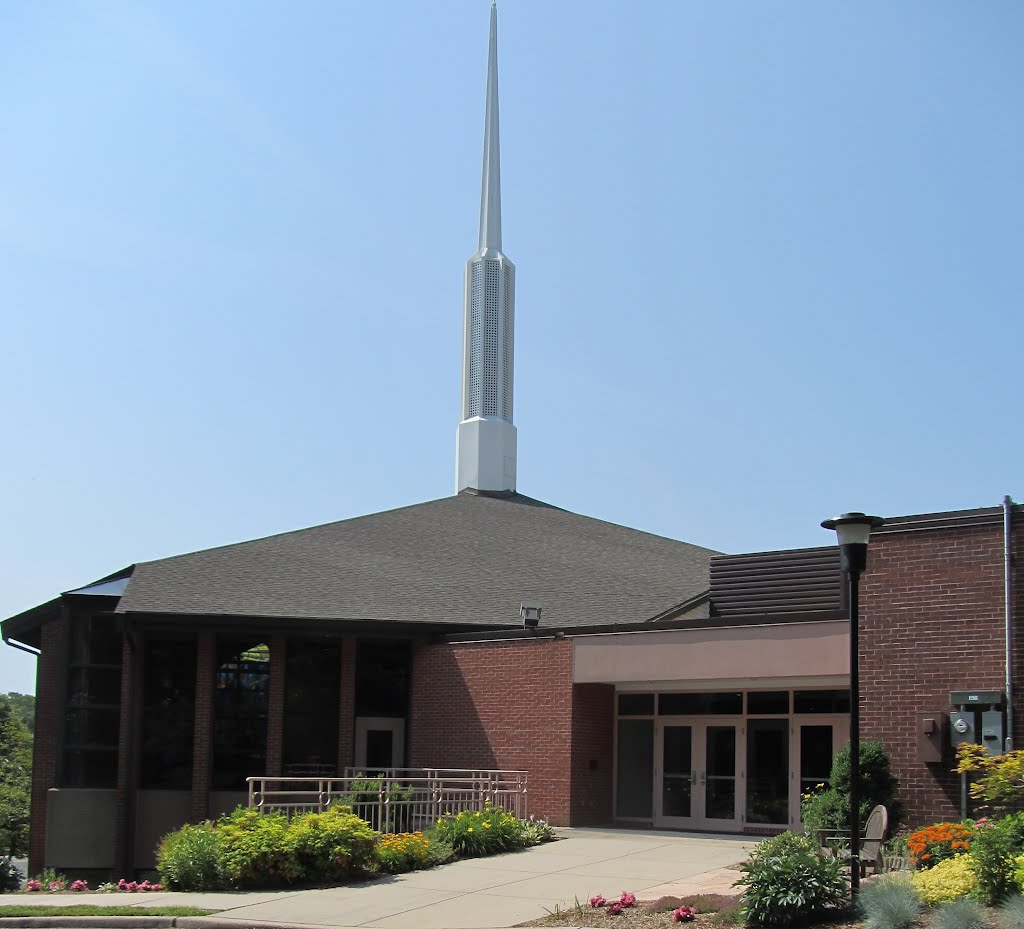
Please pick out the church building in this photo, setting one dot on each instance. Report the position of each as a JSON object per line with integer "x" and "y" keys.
{"x": 636, "y": 679}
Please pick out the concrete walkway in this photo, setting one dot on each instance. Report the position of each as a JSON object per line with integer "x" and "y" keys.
{"x": 479, "y": 893}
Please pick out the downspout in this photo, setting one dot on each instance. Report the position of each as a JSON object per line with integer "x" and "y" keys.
{"x": 1008, "y": 595}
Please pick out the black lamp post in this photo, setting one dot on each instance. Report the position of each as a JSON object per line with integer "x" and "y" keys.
{"x": 853, "y": 530}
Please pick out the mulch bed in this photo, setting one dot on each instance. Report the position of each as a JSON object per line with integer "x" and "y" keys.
{"x": 714, "y": 911}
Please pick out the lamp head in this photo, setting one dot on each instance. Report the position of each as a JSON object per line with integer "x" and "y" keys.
{"x": 853, "y": 531}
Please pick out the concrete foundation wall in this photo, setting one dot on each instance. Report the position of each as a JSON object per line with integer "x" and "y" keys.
{"x": 79, "y": 828}
{"x": 157, "y": 813}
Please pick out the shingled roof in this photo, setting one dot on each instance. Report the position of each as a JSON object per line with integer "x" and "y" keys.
{"x": 467, "y": 560}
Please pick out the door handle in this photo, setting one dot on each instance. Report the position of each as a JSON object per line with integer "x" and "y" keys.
{"x": 703, "y": 778}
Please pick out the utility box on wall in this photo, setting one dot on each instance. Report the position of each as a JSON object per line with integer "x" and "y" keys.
{"x": 931, "y": 737}
{"x": 979, "y": 718}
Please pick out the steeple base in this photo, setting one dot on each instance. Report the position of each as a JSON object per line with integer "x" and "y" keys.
{"x": 486, "y": 454}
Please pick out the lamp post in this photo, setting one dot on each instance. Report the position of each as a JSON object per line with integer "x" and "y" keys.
{"x": 853, "y": 530}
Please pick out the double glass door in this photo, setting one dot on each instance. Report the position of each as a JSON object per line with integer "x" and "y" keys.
{"x": 695, "y": 774}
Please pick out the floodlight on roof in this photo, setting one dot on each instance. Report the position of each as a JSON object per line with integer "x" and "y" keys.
{"x": 530, "y": 611}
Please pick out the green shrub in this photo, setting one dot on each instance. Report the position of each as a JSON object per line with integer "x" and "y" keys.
{"x": 889, "y": 903}
{"x": 950, "y": 879}
{"x": 331, "y": 845}
{"x": 473, "y": 833}
{"x": 440, "y": 851}
{"x": 365, "y": 795}
{"x": 962, "y": 913}
{"x": 830, "y": 808}
{"x": 10, "y": 876}
{"x": 1011, "y": 912}
{"x": 786, "y": 878}
{"x": 994, "y": 848}
{"x": 257, "y": 850}
{"x": 535, "y": 831}
{"x": 406, "y": 851}
{"x": 191, "y": 858}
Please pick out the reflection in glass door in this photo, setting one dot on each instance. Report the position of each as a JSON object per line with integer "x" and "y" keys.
{"x": 676, "y": 772}
{"x": 720, "y": 768}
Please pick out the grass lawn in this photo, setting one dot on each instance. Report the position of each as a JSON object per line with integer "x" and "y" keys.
{"x": 9, "y": 912}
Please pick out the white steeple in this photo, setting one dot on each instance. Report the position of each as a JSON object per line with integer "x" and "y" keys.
{"x": 486, "y": 445}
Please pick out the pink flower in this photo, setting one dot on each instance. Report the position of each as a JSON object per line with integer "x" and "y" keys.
{"x": 597, "y": 901}
{"x": 122, "y": 884}
{"x": 615, "y": 907}
{"x": 79, "y": 886}
{"x": 156, "y": 887}
{"x": 132, "y": 887}
{"x": 684, "y": 914}
{"x": 627, "y": 899}
{"x": 56, "y": 887}
{"x": 33, "y": 886}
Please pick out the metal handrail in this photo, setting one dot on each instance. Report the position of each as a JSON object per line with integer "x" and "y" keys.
{"x": 399, "y": 799}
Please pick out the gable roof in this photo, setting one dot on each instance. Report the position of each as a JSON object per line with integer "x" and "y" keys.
{"x": 467, "y": 560}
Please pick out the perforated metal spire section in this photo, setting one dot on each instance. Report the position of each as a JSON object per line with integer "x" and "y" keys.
{"x": 490, "y": 188}
{"x": 487, "y": 438}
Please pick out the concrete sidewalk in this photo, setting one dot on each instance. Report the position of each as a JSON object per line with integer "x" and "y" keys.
{"x": 479, "y": 893}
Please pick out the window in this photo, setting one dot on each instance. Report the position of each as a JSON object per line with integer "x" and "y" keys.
{"x": 382, "y": 679}
{"x": 636, "y": 704}
{"x": 700, "y": 704}
{"x": 821, "y": 701}
{"x": 312, "y": 685}
{"x": 765, "y": 702}
{"x": 168, "y": 700}
{"x": 93, "y": 708}
{"x": 240, "y": 713}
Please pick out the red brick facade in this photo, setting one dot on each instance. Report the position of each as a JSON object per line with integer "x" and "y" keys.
{"x": 51, "y": 677}
{"x": 509, "y": 705}
{"x": 932, "y": 621}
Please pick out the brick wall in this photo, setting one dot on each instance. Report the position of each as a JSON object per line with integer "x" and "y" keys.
{"x": 932, "y": 621}
{"x": 593, "y": 712}
{"x": 509, "y": 705}
{"x": 51, "y": 675}
{"x": 202, "y": 749}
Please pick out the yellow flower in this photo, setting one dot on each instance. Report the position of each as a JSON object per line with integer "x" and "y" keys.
{"x": 487, "y": 825}
{"x": 470, "y": 829}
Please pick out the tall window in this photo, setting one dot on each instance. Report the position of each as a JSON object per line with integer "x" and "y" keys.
{"x": 240, "y": 713}
{"x": 92, "y": 711}
{"x": 312, "y": 683}
{"x": 382, "y": 679}
{"x": 168, "y": 698}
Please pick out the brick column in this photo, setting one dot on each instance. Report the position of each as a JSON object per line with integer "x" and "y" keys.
{"x": 202, "y": 746}
{"x": 51, "y": 684}
{"x": 347, "y": 706}
{"x": 275, "y": 708}
{"x": 127, "y": 769}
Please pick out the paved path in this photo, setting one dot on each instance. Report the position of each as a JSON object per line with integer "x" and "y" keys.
{"x": 482, "y": 893}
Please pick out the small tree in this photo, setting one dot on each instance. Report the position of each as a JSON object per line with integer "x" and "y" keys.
{"x": 15, "y": 782}
{"x": 1000, "y": 781}
{"x": 830, "y": 808}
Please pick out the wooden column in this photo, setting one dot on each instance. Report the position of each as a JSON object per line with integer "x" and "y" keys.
{"x": 202, "y": 746}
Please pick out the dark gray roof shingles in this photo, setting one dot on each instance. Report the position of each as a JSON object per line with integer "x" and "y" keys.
{"x": 465, "y": 560}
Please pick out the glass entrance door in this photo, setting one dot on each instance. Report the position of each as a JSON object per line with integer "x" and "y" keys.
{"x": 696, "y": 768}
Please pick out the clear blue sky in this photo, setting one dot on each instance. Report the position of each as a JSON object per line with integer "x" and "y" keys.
{"x": 769, "y": 266}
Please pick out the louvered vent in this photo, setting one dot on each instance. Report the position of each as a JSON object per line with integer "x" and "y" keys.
{"x": 803, "y": 580}
{"x": 492, "y": 314}
{"x": 507, "y": 342}
{"x": 476, "y": 340}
